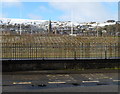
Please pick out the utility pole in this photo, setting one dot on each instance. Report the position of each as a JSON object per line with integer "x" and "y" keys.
{"x": 20, "y": 29}
{"x": 20, "y": 17}
{"x": 71, "y": 28}
{"x": 71, "y": 22}
{"x": 97, "y": 29}
{"x": 31, "y": 28}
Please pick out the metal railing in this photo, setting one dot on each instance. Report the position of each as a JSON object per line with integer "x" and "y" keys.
{"x": 64, "y": 47}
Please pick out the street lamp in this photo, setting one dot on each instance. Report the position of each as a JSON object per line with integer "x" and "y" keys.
{"x": 97, "y": 29}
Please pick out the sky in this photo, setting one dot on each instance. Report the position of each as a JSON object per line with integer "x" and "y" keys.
{"x": 61, "y": 11}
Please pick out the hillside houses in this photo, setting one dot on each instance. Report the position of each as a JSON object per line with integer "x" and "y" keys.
{"x": 57, "y": 27}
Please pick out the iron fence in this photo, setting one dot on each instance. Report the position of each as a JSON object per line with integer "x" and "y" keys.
{"x": 51, "y": 46}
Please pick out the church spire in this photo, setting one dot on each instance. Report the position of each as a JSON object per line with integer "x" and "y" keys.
{"x": 49, "y": 27}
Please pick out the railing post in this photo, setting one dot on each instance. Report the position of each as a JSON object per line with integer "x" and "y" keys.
{"x": 105, "y": 51}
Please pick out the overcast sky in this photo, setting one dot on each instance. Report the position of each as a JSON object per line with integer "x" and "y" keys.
{"x": 75, "y": 11}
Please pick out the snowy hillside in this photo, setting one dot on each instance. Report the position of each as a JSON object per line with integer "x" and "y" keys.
{"x": 45, "y": 22}
{"x": 20, "y": 21}
{"x": 9, "y": 25}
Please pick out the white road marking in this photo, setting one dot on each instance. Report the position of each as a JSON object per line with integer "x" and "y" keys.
{"x": 116, "y": 80}
{"x": 90, "y": 78}
{"x": 21, "y": 82}
{"x": 89, "y": 81}
{"x": 56, "y": 82}
{"x": 66, "y": 75}
{"x": 60, "y": 75}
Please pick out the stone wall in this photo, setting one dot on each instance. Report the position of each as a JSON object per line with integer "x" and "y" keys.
{"x": 25, "y": 65}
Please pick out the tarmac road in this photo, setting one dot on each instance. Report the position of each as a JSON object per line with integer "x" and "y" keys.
{"x": 36, "y": 81}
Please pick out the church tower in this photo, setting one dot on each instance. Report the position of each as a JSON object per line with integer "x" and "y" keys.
{"x": 49, "y": 27}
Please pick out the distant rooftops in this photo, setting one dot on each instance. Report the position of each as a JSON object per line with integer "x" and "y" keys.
{"x": 110, "y": 21}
